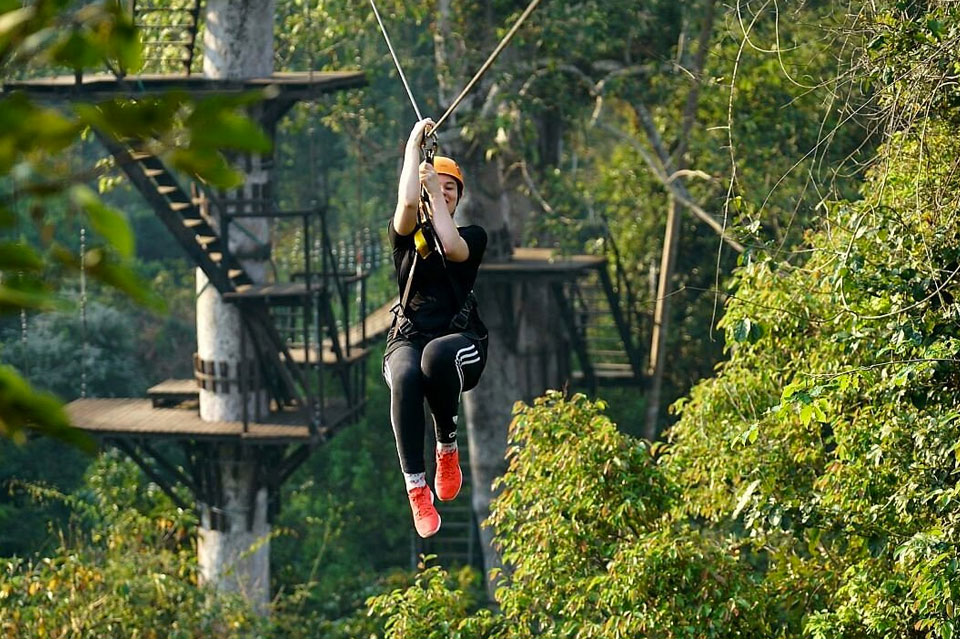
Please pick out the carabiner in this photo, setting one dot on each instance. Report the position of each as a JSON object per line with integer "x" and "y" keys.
{"x": 429, "y": 147}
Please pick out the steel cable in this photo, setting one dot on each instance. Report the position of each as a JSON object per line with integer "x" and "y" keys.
{"x": 396, "y": 62}
{"x": 476, "y": 77}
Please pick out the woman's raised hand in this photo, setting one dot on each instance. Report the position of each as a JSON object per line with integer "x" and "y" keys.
{"x": 420, "y": 129}
{"x": 429, "y": 178}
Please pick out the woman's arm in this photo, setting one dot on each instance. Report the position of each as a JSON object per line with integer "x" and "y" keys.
{"x": 454, "y": 247}
{"x": 408, "y": 191}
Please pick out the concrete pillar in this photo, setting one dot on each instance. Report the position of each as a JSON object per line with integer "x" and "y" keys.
{"x": 233, "y": 548}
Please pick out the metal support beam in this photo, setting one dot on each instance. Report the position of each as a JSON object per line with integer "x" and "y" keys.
{"x": 150, "y": 472}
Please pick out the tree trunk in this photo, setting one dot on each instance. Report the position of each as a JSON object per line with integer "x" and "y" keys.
{"x": 528, "y": 349}
{"x": 661, "y": 313}
{"x": 233, "y": 548}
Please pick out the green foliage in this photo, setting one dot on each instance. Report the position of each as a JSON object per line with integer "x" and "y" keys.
{"x": 831, "y": 437}
{"x": 21, "y": 406}
{"x": 126, "y": 568}
{"x": 26, "y": 527}
{"x": 58, "y": 352}
{"x": 585, "y": 523}
{"x": 434, "y": 607}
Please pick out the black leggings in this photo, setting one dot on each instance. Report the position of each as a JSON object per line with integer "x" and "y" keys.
{"x": 438, "y": 370}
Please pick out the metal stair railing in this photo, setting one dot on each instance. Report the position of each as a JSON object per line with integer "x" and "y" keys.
{"x": 622, "y": 304}
{"x": 184, "y": 220}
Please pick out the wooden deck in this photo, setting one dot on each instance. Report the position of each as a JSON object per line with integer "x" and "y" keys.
{"x": 173, "y": 391}
{"x": 137, "y": 418}
{"x": 298, "y": 354}
{"x": 542, "y": 262}
{"x": 292, "y": 293}
{"x": 100, "y": 86}
{"x": 377, "y": 324}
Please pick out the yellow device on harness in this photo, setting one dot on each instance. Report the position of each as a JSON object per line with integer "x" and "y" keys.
{"x": 422, "y": 244}
{"x": 425, "y": 239}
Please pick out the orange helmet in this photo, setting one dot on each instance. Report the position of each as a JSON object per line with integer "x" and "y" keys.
{"x": 446, "y": 166}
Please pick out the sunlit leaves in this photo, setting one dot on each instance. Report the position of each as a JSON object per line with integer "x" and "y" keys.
{"x": 124, "y": 568}
{"x": 832, "y": 439}
{"x": 585, "y": 524}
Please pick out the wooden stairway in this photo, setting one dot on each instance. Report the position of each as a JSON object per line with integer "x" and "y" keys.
{"x": 606, "y": 344}
{"x": 183, "y": 218}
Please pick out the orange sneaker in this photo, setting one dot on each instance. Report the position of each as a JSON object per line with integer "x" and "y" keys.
{"x": 426, "y": 519}
{"x": 449, "y": 478}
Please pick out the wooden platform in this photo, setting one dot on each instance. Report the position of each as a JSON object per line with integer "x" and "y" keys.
{"x": 102, "y": 86}
{"x": 377, "y": 324}
{"x": 610, "y": 374}
{"x": 173, "y": 391}
{"x": 544, "y": 262}
{"x": 137, "y": 418}
{"x": 292, "y": 293}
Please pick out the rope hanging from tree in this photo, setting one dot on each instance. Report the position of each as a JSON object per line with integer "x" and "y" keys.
{"x": 83, "y": 311}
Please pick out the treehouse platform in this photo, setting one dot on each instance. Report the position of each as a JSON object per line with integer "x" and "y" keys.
{"x": 291, "y": 86}
{"x": 545, "y": 262}
{"x": 141, "y": 419}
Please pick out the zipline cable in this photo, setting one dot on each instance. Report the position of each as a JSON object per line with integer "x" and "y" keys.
{"x": 486, "y": 65}
{"x": 483, "y": 69}
{"x": 396, "y": 62}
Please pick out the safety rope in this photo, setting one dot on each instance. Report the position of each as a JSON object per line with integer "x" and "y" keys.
{"x": 396, "y": 62}
{"x": 476, "y": 77}
{"x": 486, "y": 65}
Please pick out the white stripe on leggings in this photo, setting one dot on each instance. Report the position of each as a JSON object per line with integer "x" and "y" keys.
{"x": 466, "y": 355}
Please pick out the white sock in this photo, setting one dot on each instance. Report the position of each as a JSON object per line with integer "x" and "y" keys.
{"x": 447, "y": 448}
{"x": 414, "y": 480}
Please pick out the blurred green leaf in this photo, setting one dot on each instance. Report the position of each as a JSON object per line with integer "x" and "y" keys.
{"x": 13, "y": 299}
{"x": 12, "y": 20}
{"x": 76, "y": 50}
{"x": 14, "y": 255}
{"x": 137, "y": 117}
{"x": 23, "y": 408}
{"x": 124, "y": 279}
{"x": 208, "y": 165}
{"x": 108, "y": 222}
{"x": 228, "y": 131}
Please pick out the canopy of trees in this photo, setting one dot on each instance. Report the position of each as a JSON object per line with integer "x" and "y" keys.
{"x": 805, "y": 483}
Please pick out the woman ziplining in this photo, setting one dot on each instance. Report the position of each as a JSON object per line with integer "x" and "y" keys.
{"x": 437, "y": 344}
